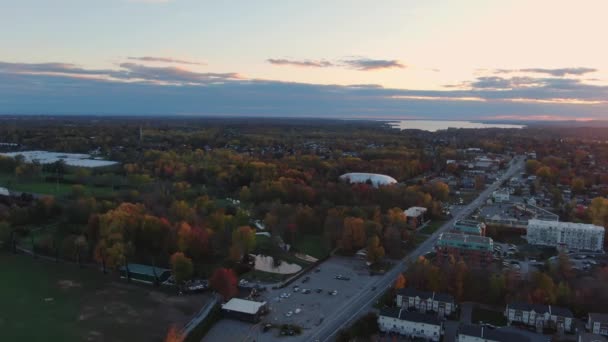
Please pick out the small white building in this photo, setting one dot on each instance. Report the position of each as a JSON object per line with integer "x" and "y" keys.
{"x": 410, "y": 324}
{"x": 415, "y": 215}
{"x": 4, "y": 192}
{"x": 539, "y": 316}
{"x": 478, "y": 333}
{"x": 597, "y": 323}
{"x": 423, "y": 301}
{"x": 245, "y": 310}
{"x": 566, "y": 234}
{"x": 373, "y": 178}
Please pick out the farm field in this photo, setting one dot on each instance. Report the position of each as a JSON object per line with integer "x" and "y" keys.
{"x": 45, "y": 301}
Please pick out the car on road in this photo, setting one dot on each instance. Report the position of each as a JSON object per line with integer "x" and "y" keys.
{"x": 297, "y": 311}
{"x": 333, "y": 293}
{"x": 319, "y": 290}
{"x": 341, "y": 277}
{"x": 317, "y": 270}
{"x": 266, "y": 327}
{"x": 305, "y": 291}
{"x": 306, "y": 280}
{"x": 289, "y": 314}
{"x": 296, "y": 288}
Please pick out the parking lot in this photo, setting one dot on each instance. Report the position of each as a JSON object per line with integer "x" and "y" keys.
{"x": 306, "y": 309}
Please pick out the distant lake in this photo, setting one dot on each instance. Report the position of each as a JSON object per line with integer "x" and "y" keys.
{"x": 436, "y": 125}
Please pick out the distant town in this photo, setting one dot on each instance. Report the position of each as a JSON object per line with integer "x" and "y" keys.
{"x": 150, "y": 229}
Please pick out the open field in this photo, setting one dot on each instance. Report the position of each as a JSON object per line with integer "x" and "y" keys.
{"x": 312, "y": 245}
{"x": 44, "y": 301}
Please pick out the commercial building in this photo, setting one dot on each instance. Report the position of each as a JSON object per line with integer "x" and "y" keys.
{"x": 469, "y": 227}
{"x": 410, "y": 324}
{"x": 566, "y": 234}
{"x": 597, "y": 323}
{"x": 244, "y": 310}
{"x": 478, "y": 333}
{"x": 476, "y": 251}
{"x": 145, "y": 274}
{"x": 539, "y": 316}
{"x": 423, "y": 301}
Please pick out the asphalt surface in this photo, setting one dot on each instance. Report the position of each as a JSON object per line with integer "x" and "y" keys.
{"x": 356, "y": 306}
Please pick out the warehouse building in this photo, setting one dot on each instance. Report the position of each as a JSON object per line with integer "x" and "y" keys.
{"x": 570, "y": 235}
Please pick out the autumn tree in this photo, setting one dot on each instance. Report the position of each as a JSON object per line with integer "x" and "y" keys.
{"x": 598, "y": 211}
{"x": 181, "y": 267}
{"x": 174, "y": 335}
{"x": 400, "y": 282}
{"x": 115, "y": 226}
{"x": 375, "y": 251}
{"x": 244, "y": 239}
{"x": 224, "y": 281}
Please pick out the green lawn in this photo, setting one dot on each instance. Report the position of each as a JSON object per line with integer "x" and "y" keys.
{"x": 432, "y": 227}
{"x": 488, "y": 316}
{"x": 40, "y": 186}
{"x": 45, "y": 301}
{"x": 312, "y": 245}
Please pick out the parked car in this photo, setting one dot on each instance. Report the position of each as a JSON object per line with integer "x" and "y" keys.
{"x": 305, "y": 280}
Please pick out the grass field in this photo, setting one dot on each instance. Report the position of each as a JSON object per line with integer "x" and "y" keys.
{"x": 39, "y": 186}
{"x": 44, "y": 301}
{"x": 312, "y": 245}
{"x": 488, "y": 316}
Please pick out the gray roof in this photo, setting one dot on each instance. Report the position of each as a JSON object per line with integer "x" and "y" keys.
{"x": 491, "y": 334}
{"x": 540, "y": 308}
{"x": 412, "y": 292}
{"x": 411, "y": 316}
{"x": 598, "y": 317}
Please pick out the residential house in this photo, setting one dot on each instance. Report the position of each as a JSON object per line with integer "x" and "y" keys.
{"x": 597, "y": 323}
{"x": 540, "y": 316}
{"x": 423, "y": 301}
{"x": 410, "y": 324}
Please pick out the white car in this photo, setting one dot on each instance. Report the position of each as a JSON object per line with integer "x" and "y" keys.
{"x": 289, "y": 314}
{"x": 334, "y": 292}
{"x": 297, "y": 311}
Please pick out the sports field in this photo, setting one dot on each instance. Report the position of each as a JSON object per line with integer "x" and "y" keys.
{"x": 45, "y": 301}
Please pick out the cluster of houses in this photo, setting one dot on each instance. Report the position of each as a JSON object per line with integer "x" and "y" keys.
{"x": 421, "y": 315}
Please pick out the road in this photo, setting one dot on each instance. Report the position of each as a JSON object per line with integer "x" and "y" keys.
{"x": 358, "y": 305}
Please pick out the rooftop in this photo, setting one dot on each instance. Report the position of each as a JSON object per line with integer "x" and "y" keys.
{"x": 465, "y": 241}
{"x": 411, "y": 316}
{"x": 374, "y": 178}
{"x": 490, "y": 334}
{"x": 243, "y": 305}
{"x": 145, "y": 269}
{"x": 415, "y": 211}
{"x": 598, "y": 317}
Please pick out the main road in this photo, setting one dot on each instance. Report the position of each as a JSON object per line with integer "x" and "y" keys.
{"x": 358, "y": 305}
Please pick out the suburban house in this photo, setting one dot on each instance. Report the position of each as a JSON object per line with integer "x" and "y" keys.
{"x": 423, "y": 301}
{"x": 410, "y": 324}
{"x": 539, "y": 316}
{"x": 415, "y": 216}
{"x": 244, "y": 310}
{"x": 478, "y": 333}
{"x": 597, "y": 323}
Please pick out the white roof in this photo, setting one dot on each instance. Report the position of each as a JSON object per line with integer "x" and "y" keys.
{"x": 375, "y": 178}
{"x": 4, "y": 192}
{"x": 244, "y": 306}
{"x": 415, "y": 211}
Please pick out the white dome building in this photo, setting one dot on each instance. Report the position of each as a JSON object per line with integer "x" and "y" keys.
{"x": 374, "y": 178}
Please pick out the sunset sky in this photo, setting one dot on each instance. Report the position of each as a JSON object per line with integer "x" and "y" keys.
{"x": 463, "y": 59}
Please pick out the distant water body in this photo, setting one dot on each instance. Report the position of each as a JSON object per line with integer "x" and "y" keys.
{"x": 436, "y": 125}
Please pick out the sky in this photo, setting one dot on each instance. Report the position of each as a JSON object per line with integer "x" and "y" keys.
{"x": 459, "y": 59}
